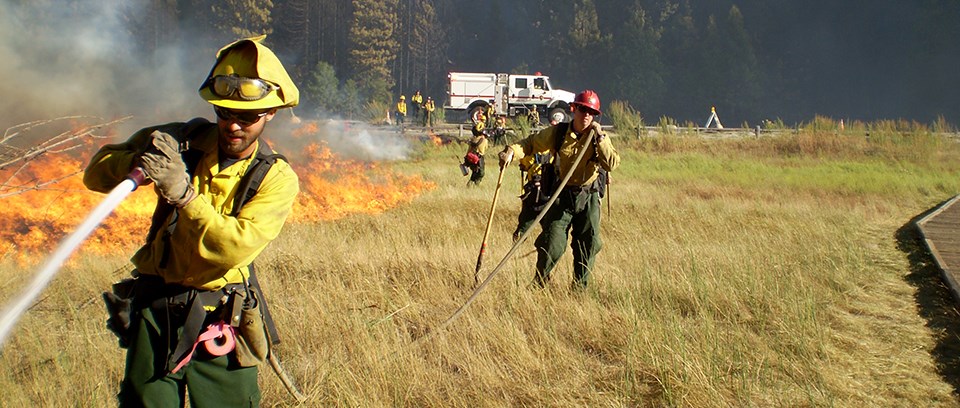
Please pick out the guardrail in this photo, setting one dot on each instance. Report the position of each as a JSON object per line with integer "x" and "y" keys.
{"x": 463, "y": 130}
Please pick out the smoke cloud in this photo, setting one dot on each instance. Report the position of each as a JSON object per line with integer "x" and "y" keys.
{"x": 82, "y": 58}
{"x": 79, "y": 59}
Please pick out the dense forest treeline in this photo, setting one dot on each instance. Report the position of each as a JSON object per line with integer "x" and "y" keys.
{"x": 752, "y": 59}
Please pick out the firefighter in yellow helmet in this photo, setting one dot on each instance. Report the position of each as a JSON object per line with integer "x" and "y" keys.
{"x": 417, "y": 101}
{"x": 428, "y": 108}
{"x": 480, "y": 124}
{"x": 401, "y": 112}
{"x": 473, "y": 160}
{"x": 189, "y": 315}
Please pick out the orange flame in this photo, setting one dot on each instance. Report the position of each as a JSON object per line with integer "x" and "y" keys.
{"x": 35, "y": 221}
{"x": 333, "y": 187}
{"x": 437, "y": 141}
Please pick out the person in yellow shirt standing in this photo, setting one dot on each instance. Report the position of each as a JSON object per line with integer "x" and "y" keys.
{"x": 194, "y": 277}
{"x": 428, "y": 108}
{"x": 417, "y": 101}
{"x": 490, "y": 113}
{"x": 401, "y": 112}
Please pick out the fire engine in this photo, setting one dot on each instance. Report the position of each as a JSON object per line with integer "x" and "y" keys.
{"x": 510, "y": 95}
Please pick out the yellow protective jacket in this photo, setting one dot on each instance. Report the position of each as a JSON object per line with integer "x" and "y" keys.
{"x": 402, "y": 108}
{"x": 209, "y": 247}
{"x": 478, "y": 145}
{"x": 417, "y": 99}
{"x": 587, "y": 170}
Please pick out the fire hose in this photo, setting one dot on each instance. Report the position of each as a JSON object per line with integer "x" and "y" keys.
{"x": 15, "y": 310}
{"x": 456, "y": 314}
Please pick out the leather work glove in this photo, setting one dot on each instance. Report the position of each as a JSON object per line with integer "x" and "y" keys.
{"x": 506, "y": 156}
{"x": 163, "y": 164}
{"x": 600, "y": 134}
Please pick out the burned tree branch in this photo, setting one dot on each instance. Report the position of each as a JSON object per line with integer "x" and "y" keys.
{"x": 7, "y": 191}
{"x": 14, "y": 160}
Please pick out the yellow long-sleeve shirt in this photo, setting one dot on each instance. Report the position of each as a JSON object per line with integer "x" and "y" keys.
{"x": 478, "y": 145}
{"x": 209, "y": 248}
{"x": 587, "y": 170}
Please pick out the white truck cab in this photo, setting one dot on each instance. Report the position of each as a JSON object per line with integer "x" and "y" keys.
{"x": 510, "y": 95}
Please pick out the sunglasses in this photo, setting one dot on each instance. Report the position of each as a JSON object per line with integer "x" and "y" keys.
{"x": 240, "y": 88}
{"x": 242, "y": 118}
{"x": 588, "y": 111}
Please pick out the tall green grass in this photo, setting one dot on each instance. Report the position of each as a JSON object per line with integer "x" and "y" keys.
{"x": 742, "y": 272}
{"x": 626, "y": 119}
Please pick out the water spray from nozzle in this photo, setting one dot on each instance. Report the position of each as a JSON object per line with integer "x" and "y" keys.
{"x": 13, "y": 311}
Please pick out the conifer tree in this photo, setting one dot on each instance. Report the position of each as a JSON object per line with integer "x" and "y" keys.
{"x": 636, "y": 62}
{"x": 732, "y": 77}
{"x": 321, "y": 89}
{"x": 586, "y": 54}
{"x": 243, "y": 18}
{"x": 427, "y": 45}
{"x": 374, "y": 45}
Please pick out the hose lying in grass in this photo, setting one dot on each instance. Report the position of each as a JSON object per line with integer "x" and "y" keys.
{"x": 513, "y": 249}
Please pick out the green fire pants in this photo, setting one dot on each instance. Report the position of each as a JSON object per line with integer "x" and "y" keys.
{"x": 575, "y": 213}
{"x": 211, "y": 381}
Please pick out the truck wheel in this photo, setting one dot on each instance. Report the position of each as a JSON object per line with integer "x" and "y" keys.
{"x": 558, "y": 115}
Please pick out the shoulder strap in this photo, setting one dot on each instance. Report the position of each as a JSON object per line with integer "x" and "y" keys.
{"x": 249, "y": 186}
{"x": 254, "y": 176}
{"x": 559, "y": 133}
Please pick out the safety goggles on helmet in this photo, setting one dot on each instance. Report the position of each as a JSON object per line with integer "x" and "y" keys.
{"x": 242, "y": 118}
{"x": 240, "y": 88}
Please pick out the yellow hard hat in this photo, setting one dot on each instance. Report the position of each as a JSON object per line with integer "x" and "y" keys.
{"x": 401, "y": 97}
{"x": 247, "y": 75}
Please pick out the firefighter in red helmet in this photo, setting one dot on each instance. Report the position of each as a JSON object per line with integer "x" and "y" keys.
{"x": 577, "y": 209}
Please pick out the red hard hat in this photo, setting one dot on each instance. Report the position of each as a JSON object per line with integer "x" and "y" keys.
{"x": 588, "y": 99}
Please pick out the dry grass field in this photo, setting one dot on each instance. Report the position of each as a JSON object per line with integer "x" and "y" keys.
{"x": 779, "y": 271}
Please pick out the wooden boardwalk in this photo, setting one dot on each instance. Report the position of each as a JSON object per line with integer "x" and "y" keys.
{"x": 941, "y": 231}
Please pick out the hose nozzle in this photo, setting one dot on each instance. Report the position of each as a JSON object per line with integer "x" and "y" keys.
{"x": 137, "y": 176}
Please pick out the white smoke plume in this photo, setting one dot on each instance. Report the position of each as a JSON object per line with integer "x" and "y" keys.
{"x": 361, "y": 141}
{"x": 81, "y": 57}
{"x": 61, "y": 58}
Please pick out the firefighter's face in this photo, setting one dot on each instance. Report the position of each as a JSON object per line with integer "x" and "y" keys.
{"x": 582, "y": 117}
{"x": 239, "y": 129}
